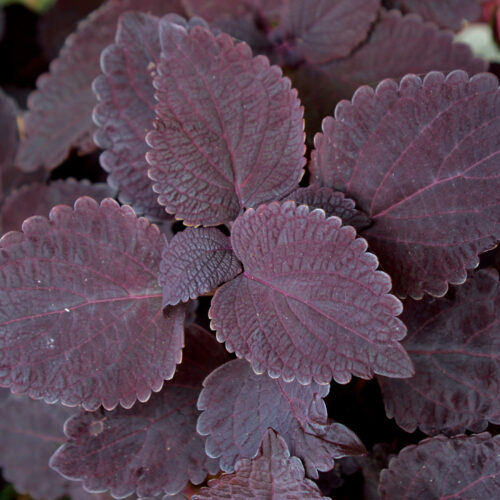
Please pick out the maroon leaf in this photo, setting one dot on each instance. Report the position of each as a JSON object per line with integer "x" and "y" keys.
{"x": 455, "y": 346}
{"x": 195, "y": 262}
{"x": 310, "y": 304}
{"x": 59, "y": 116}
{"x": 229, "y": 133}
{"x": 80, "y": 309}
{"x": 271, "y": 474}
{"x": 239, "y": 406}
{"x": 332, "y": 202}
{"x": 462, "y": 467}
{"x": 153, "y": 447}
{"x": 421, "y": 159}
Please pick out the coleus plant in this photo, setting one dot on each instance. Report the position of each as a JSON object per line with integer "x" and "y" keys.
{"x": 315, "y": 278}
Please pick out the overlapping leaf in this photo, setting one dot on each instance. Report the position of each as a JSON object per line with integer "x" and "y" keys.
{"x": 195, "y": 262}
{"x": 455, "y": 346}
{"x": 238, "y": 407}
{"x": 441, "y": 468}
{"x": 310, "y": 304}
{"x": 153, "y": 447}
{"x": 421, "y": 159}
{"x": 273, "y": 473}
{"x": 80, "y": 308}
{"x": 229, "y": 133}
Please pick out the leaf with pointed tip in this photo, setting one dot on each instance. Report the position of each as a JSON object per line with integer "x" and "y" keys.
{"x": 273, "y": 473}
{"x": 310, "y": 304}
{"x": 153, "y": 447}
{"x": 332, "y": 202}
{"x": 60, "y": 111}
{"x": 229, "y": 131}
{"x": 80, "y": 308}
{"x": 421, "y": 159}
{"x": 195, "y": 262}
{"x": 455, "y": 346}
{"x": 238, "y": 406}
{"x": 462, "y": 467}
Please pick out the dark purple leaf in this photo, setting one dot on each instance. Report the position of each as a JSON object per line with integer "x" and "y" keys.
{"x": 441, "y": 468}
{"x": 455, "y": 346}
{"x": 238, "y": 407}
{"x": 153, "y": 447}
{"x": 310, "y": 304}
{"x": 38, "y": 199}
{"x": 273, "y": 473}
{"x": 80, "y": 308}
{"x": 229, "y": 133}
{"x": 195, "y": 262}
{"x": 60, "y": 111}
{"x": 332, "y": 202}
{"x": 421, "y": 159}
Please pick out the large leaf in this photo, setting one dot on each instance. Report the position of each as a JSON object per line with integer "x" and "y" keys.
{"x": 229, "y": 133}
{"x": 238, "y": 407}
{"x": 421, "y": 159}
{"x": 153, "y": 447}
{"x": 60, "y": 111}
{"x": 80, "y": 308}
{"x": 455, "y": 346}
{"x": 310, "y": 304}
{"x": 463, "y": 467}
{"x": 273, "y": 474}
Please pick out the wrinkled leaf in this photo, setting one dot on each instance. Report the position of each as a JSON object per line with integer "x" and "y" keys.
{"x": 229, "y": 131}
{"x": 80, "y": 308}
{"x": 421, "y": 159}
{"x": 310, "y": 304}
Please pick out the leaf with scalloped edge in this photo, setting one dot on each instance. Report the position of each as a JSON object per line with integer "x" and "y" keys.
{"x": 455, "y": 346}
{"x": 229, "y": 131}
{"x": 194, "y": 262}
{"x": 461, "y": 467}
{"x": 238, "y": 406}
{"x": 310, "y": 304}
{"x": 153, "y": 447}
{"x": 421, "y": 159}
{"x": 272, "y": 474}
{"x": 59, "y": 115}
{"x": 81, "y": 319}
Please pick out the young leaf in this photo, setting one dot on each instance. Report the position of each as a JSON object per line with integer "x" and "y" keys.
{"x": 460, "y": 467}
{"x": 455, "y": 346}
{"x": 153, "y": 447}
{"x": 310, "y": 304}
{"x": 238, "y": 407}
{"x": 195, "y": 262}
{"x": 273, "y": 473}
{"x": 421, "y": 159}
{"x": 229, "y": 130}
{"x": 80, "y": 308}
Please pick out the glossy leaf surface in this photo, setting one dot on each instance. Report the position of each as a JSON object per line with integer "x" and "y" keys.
{"x": 421, "y": 159}
{"x": 80, "y": 308}
{"x": 153, "y": 447}
{"x": 229, "y": 130}
{"x": 310, "y": 304}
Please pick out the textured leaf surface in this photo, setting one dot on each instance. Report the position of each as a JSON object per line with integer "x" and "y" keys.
{"x": 153, "y": 447}
{"x": 463, "y": 467}
{"x": 310, "y": 304}
{"x": 229, "y": 133}
{"x": 455, "y": 346}
{"x": 60, "y": 111}
{"x": 238, "y": 407}
{"x": 80, "y": 308}
{"x": 272, "y": 474}
{"x": 421, "y": 159}
{"x": 195, "y": 262}
{"x": 332, "y": 202}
